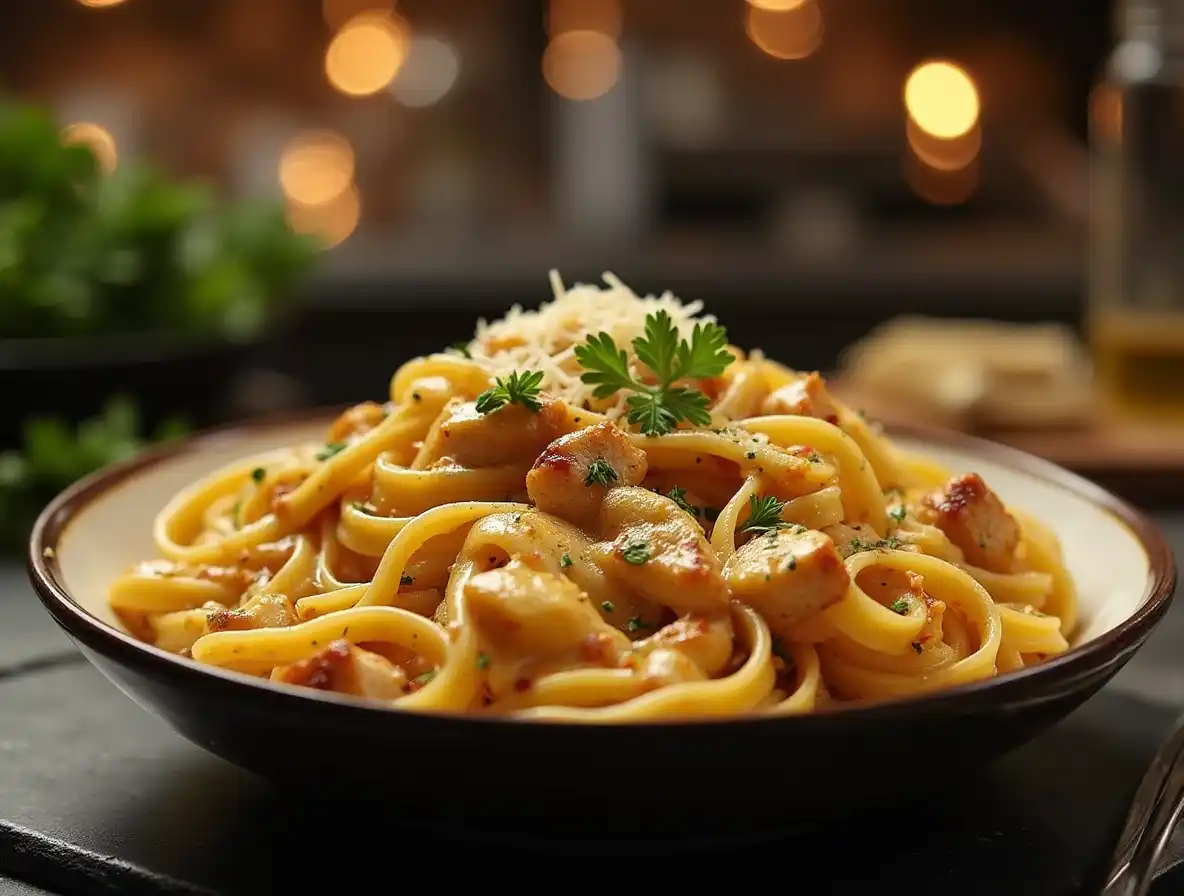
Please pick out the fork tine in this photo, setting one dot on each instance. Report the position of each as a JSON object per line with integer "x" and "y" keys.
{"x": 1153, "y": 815}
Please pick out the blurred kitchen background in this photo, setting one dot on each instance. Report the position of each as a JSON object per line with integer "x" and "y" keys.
{"x": 967, "y": 213}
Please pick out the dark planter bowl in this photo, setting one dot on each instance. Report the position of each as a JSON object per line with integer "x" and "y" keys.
{"x": 719, "y": 778}
{"x": 169, "y": 374}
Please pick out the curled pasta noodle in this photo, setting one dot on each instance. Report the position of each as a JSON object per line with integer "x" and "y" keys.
{"x": 491, "y": 544}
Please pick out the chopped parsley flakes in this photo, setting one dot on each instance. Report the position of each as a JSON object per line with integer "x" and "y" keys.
{"x": 600, "y": 472}
{"x": 637, "y": 552}
{"x": 859, "y": 545}
{"x": 330, "y": 449}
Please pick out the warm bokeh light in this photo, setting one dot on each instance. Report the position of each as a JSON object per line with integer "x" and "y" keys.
{"x": 366, "y": 54}
{"x": 98, "y": 138}
{"x": 582, "y": 65}
{"x": 316, "y": 167}
{"x": 939, "y": 187}
{"x": 777, "y": 5}
{"x": 942, "y": 154}
{"x": 605, "y": 16}
{"x": 785, "y": 31}
{"x": 338, "y": 12}
{"x": 430, "y": 71}
{"x": 100, "y": 4}
{"x": 331, "y": 222}
{"x": 942, "y": 99}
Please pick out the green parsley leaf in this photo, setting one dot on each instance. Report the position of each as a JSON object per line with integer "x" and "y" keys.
{"x": 649, "y": 413}
{"x": 898, "y": 513}
{"x": 425, "y": 678}
{"x": 687, "y": 404}
{"x": 565, "y": 561}
{"x": 406, "y": 579}
{"x": 608, "y": 606}
{"x": 637, "y": 552}
{"x": 600, "y": 472}
{"x": 606, "y": 366}
{"x": 678, "y": 495}
{"x": 483, "y": 661}
{"x": 331, "y": 449}
{"x": 635, "y": 623}
{"x": 658, "y": 409}
{"x": 521, "y": 387}
{"x": 258, "y": 474}
{"x": 461, "y": 348}
{"x": 764, "y": 515}
{"x": 900, "y": 605}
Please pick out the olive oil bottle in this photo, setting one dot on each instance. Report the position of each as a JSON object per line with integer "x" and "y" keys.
{"x": 1136, "y": 253}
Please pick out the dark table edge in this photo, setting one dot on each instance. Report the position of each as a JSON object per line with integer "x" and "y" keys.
{"x": 58, "y": 865}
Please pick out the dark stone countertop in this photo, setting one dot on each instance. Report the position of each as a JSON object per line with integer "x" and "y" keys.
{"x": 97, "y": 797}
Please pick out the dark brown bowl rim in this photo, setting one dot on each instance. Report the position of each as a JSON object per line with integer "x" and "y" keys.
{"x": 1083, "y": 662}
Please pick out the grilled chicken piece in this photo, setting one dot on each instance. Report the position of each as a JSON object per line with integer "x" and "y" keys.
{"x": 533, "y": 612}
{"x": 974, "y": 519}
{"x": 356, "y": 421}
{"x": 706, "y": 642}
{"x": 787, "y": 575}
{"x": 346, "y": 669}
{"x": 559, "y": 482}
{"x": 659, "y": 552}
{"x": 806, "y": 397}
{"x": 511, "y": 434}
{"x": 265, "y": 611}
{"x": 665, "y": 666}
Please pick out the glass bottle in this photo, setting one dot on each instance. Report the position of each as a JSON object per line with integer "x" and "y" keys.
{"x": 1136, "y": 253}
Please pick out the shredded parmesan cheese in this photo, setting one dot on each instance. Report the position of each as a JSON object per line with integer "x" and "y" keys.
{"x": 545, "y": 339}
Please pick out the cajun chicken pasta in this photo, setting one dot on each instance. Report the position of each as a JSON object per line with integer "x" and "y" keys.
{"x": 601, "y": 511}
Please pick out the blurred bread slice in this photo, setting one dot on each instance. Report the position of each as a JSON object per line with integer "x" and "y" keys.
{"x": 974, "y": 373}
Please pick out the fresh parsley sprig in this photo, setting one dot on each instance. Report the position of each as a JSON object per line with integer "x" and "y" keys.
{"x": 521, "y": 387}
{"x": 764, "y": 515}
{"x": 658, "y": 409}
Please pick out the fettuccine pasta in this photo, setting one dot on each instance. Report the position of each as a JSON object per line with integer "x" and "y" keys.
{"x": 599, "y": 511}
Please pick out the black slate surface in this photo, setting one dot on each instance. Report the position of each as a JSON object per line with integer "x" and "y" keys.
{"x": 97, "y": 796}
{"x": 27, "y": 634}
{"x": 10, "y": 886}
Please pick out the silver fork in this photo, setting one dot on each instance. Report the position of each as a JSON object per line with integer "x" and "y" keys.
{"x": 1153, "y": 817}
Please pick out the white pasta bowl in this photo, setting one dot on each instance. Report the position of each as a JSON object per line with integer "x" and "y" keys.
{"x": 666, "y": 778}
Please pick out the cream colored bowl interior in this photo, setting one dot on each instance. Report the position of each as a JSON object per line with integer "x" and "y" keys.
{"x": 115, "y": 530}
